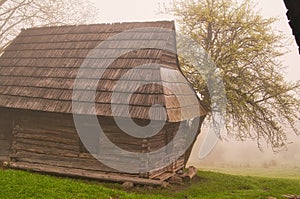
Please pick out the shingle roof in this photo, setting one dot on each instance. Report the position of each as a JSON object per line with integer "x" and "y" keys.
{"x": 38, "y": 70}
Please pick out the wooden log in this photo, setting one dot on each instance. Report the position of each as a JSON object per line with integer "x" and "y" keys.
{"x": 158, "y": 174}
{"x": 175, "y": 179}
{"x": 86, "y": 174}
{"x": 45, "y": 138}
{"x": 112, "y": 159}
{"x": 66, "y": 133}
{"x": 44, "y": 150}
{"x": 128, "y": 185}
{"x": 164, "y": 176}
{"x": 191, "y": 172}
{"x": 291, "y": 196}
{"x": 4, "y": 147}
{"x": 85, "y": 156}
{"x": 49, "y": 144}
{"x": 5, "y": 164}
{"x": 179, "y": 164}
{"x": 68, "y": 162}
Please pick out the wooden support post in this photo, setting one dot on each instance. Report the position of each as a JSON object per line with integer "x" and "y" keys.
{"x": 187, "y": 176}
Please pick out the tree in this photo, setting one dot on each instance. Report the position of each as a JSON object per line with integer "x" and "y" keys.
{"x": 261, "y": 104}
{"x": 18, "y": 14}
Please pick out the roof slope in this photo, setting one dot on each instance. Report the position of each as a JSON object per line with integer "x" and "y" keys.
{"x": 39, "y": 68}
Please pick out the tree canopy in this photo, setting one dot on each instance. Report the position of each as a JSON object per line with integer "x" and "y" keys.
{"x": 18, "y": 14}
{"x": 246, "y": 49}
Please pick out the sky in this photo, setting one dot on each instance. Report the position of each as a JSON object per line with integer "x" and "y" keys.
{"x": 129, "y": 10}
{"x": 224, "y": 152}
{"x": 148, "y": 10}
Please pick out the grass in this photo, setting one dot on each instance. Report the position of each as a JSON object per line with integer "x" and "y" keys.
{"x": 270, "y": 172}
{"x": 21, "y": 184}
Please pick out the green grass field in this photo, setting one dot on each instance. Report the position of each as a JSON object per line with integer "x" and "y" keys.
{"x": 21, "y": 184}
{"x": 270, "y": 172}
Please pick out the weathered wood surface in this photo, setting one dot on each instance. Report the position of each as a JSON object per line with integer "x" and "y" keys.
{"x": 4, "y": 147}
{"x": 6, "y": 124}
{"x": 38, "y": 71}
{"x": 52, "y": 141}
{"x": 49, "y": 142}
{"x": 84, "y": 173}
{"x": 170, "y": 170}
{"x": 291, "y": 196}
{"x": 68, "y": 162}
{"x": 175, "y": 179}
{"x": 190, "y": 174}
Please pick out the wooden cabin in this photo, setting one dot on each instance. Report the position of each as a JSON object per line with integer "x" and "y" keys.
{"x": 38, "y": 70}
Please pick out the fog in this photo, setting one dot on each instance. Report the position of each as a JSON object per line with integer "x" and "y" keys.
{"x": 238, "y": 154}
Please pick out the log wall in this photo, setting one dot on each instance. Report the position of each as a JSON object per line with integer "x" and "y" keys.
{"x": 50, "y": 140}
{"x": 49, "y": 143}
{"x": 6, "y": 124}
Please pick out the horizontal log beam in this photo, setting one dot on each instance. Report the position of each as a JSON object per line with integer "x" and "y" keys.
{"x": 80, "y": 173}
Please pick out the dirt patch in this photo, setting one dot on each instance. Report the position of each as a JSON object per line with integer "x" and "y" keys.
{"x": 175, "y": 188}
{"x": 171, "y": 190}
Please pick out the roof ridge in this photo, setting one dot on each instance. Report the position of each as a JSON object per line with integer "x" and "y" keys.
{"x": 103, "y": 24}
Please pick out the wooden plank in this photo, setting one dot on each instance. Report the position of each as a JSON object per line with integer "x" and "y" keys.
{"x": 87, "y": 162}
{"x": 44, "y": 150}
{"x": 191, "y": 172}
{"x": 83, "y": 173}
{"x": 45, "y": 138}
{"x": 48, "y": 144}
{"x": 71, "y": 162}
{"x": 164, "y": 176}
{"x": 4, "y": 158}
{"x": 159, "y": 174}
{"x": 67, "y": 162}
{"x": 62, "y": 126}
{"x": 48, "y": 132}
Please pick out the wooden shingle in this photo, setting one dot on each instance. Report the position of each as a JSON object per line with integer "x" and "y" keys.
{"x": 39, "y": 68}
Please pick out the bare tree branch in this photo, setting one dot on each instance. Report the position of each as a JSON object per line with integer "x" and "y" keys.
{"x": 2, "y": 2}
{"x": 18, "y": 14}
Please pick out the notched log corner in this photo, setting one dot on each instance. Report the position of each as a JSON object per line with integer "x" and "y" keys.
{"x": 5, "y": 165}
{"x": 189, "y": 174}
{"x": 183, "y": 177}
{"x": 291, "y": 196}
